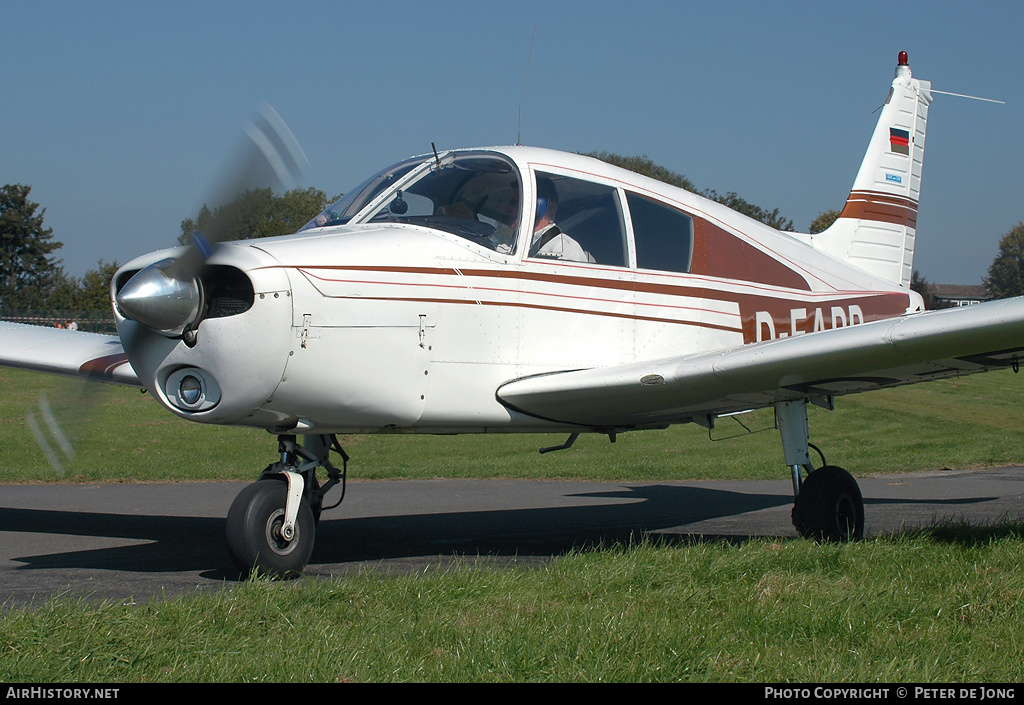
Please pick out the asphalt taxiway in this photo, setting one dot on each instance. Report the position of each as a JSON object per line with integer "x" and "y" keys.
{"x": 133, "y": 542}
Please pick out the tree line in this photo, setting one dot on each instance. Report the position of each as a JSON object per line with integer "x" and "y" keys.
{"x": 32, "y": 279}
{"x": 34, "y": 283}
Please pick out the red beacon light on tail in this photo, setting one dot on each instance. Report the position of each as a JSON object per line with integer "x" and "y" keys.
{"x": 903, "y": 59}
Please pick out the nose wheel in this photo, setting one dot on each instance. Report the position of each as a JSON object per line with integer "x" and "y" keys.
{"x": 271, "y": 526}
{"x": 256, "y": 530}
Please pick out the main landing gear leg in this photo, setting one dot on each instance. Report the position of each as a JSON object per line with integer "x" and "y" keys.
{"x": 271, "y": 526}
{"x": 828, "y": 505}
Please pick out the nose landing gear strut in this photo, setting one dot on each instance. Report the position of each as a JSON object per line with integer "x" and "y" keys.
{"x": 271, "y": 526}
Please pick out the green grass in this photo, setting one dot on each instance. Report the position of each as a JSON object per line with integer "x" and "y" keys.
{"x": 944, "y": 605}
{"x": 122, "y": 435}
{"x": 923, "y": 609}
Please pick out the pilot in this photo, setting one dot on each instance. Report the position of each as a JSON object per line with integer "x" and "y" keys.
{"x": 504, "y": 216}
{"x": 548, "y": 240}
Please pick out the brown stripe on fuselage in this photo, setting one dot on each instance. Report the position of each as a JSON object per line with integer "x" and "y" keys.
{"x": 765, "y": 318}
{"x": 695, "y": 286}
{"x": 719, "y": 253}
{"x": 790, "y": 315}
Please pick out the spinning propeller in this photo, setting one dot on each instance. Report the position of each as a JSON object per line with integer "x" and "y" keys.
{"x": 167, "y": 296}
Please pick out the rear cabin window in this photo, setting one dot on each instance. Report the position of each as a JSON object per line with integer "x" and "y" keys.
{"x": 663, "y": 236}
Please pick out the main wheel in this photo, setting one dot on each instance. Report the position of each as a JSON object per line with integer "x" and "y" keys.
{"x": 254, "y": 531}
{"x": 830, "y": 506}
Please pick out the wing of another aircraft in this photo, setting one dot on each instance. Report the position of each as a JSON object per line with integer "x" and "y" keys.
{"x": 914, "y": 348}
{"x": 65, "y": 352}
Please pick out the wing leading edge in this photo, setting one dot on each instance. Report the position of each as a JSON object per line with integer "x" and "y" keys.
{"x": 914, "y": 348}
{"x": 65, "y": 352}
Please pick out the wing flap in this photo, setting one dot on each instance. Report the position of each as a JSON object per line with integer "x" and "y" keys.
{"x": 906, "y": 350}
{"x": 65, "y": 352}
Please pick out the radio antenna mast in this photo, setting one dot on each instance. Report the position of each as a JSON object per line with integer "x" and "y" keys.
{"x": 519, "y": 128}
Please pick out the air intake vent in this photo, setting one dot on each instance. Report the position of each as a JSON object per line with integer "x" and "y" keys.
{"x": 227, "y": 290}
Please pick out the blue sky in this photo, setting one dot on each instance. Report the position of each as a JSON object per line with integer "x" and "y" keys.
{"x": 120, "y": 114}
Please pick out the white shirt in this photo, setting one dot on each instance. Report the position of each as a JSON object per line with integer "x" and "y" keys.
{"x": 560, "y": 246}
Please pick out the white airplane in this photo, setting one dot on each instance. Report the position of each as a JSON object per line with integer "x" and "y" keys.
{"x": 436, "y": 297}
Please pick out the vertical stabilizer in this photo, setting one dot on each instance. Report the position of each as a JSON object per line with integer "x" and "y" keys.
{"x": 877, "y": 226}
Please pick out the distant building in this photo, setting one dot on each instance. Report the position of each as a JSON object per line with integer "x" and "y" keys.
{"x": 951, "y": 295}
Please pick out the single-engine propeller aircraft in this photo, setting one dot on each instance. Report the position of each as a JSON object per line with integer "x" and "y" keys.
{"x": 517, "y": 289}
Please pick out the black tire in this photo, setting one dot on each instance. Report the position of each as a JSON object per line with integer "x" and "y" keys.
{"x": 253, "y": 531}
{"x": 830, "y": 506}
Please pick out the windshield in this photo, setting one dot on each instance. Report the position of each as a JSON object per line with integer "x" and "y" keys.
{"x": 342, "y": 210}
{"x": 473, "y": 196}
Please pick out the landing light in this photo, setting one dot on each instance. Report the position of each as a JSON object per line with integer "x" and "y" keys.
{"x": 192, "y": 389}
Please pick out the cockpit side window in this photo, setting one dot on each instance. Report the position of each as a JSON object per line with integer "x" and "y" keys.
{"x": 663, "y": 236}
{"x": 473, "y": 196}
{"x": 577, "y": 220}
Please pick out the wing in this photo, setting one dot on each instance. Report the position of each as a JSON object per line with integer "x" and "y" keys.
{"x": 914, "y": 348}
{"x": 66, "y": 352}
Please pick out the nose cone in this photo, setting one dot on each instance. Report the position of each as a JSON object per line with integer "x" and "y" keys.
{"x": 159, "y": 301}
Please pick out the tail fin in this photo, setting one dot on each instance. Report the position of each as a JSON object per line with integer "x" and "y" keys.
{"x": 877, "y": 226}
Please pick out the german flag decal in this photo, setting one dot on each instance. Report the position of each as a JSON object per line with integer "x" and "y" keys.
{"x": 899, "y": 141}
